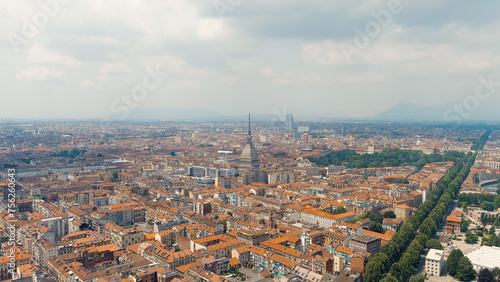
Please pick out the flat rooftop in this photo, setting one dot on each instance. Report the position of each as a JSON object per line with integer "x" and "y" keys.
{"x": 486, "y": 257}
{"x": 435, "y": 254}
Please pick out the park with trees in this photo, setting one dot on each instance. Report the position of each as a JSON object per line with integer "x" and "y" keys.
{"x": 399, "y": 257}
{"x": 388, "y": 157}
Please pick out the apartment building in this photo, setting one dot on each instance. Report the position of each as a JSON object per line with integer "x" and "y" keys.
{"x": 324, "y": 219}
{"x": 59, "y": 225}
{"x": 169, "y": 259}
{"x": 43, "y": 251}
{"x": 202, "y": 208}
{"x": 365, "y": 243}
{"x": 255, "y": 257}
{"x": 322, "y": 264}
{"x": 124, "y": 237}
{"x": 392, "y": 223}
{"x": 434, "y": 262}
{"x": 454, "y": 222}
{"x": 125, "y": 213}
{"x": 20, "y": 258}
{"x": 402, "y": 211}
{"x": 167, "y": 237}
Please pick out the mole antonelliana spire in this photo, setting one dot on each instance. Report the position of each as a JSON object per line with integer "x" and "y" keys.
{"x": 249, "y": 159}
{"x": 249, "y": 138}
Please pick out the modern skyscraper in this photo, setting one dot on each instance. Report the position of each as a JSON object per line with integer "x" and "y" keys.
{"x": 289, "y": 122}
{"x": 249, "y": 159}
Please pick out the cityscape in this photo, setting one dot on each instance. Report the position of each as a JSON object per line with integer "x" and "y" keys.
{"x": 226, "y": 141}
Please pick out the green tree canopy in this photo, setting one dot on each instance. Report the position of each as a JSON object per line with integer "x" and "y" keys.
{"x": 492, "y": 229}
{"x": 465, "y": 271}
{"x": 376, "y": 227}
{"x": 389, "y": 279}
{"x": 74, "y": 153}
{"x": 388, "y": 157}
{"x": 496, "y": 272}
{"x": 485, "y": 275}
{"x": 417, "y": 278}
{"x": 493, "y": 241}
{"x": 339, "y": 210}
{"x": 428, "y": 227}
{"x": 433, "y": 244}
{"x": 465, "y": 226}
{"x": 389, "y": 214}
{"x": 395, "y": 270}
{"x": 488, "y": 206}
{"x": 496, "y": 222}
{"x": 452, "y": 261}
{"x": 471, "y": 238}
{"x": 376, "y": 268}
{"x": 406, "y": 270}
{"x": 376, "y": 217}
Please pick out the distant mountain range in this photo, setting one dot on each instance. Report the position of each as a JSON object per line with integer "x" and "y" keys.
{"x": 405, "y": 111}
{"x": 400, "y": 112}
{"x": 444, "y": 113}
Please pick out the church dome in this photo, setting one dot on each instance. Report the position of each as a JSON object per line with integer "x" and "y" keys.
{"x": 249, "y": 153}
{"x": 249, "y": 159}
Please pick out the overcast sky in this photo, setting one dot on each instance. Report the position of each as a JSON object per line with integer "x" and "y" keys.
{"x": 81, "y": 58}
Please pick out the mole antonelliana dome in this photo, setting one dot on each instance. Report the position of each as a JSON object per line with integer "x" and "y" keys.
{"x": 249, "y": 159}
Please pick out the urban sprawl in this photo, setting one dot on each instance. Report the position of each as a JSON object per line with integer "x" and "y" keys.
{"x": 280, "y": 200}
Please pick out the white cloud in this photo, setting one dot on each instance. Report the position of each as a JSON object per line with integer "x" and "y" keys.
{"x": 39, "y": 73}
{"x": 391, "y": 51}
{"x": 212, "y": 29}
{"x": 38, "y": 54}
{"x": 362, "y": 78}
{"x": 116, "y": 68}
{"x": 87, "y": 83}
{"x": 323, "y": 53}
{"x": 282, "y": 81}
{"x": 267, "y": 72}
{"x": 314, "y": 78}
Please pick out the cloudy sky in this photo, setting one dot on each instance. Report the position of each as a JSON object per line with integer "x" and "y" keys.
{"x": 102, "y": 58}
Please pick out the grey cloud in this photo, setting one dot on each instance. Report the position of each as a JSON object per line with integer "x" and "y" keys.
{"x": 252, "y": 59}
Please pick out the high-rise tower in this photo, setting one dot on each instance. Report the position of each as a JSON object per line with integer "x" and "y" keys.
{"x": 289, "y": 124}
{"x": 249, "y": 159}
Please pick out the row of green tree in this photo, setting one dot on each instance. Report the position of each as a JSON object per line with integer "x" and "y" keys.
{"x": 401, "y": 255}
{"x": 380, "y": 263}
{"x": 493, "y": 241}
{"x": 479, "y": 144}
{"x": 428, "y": 228}
{"x": 493, "y": 219}
{"x": 386, "y": 158}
